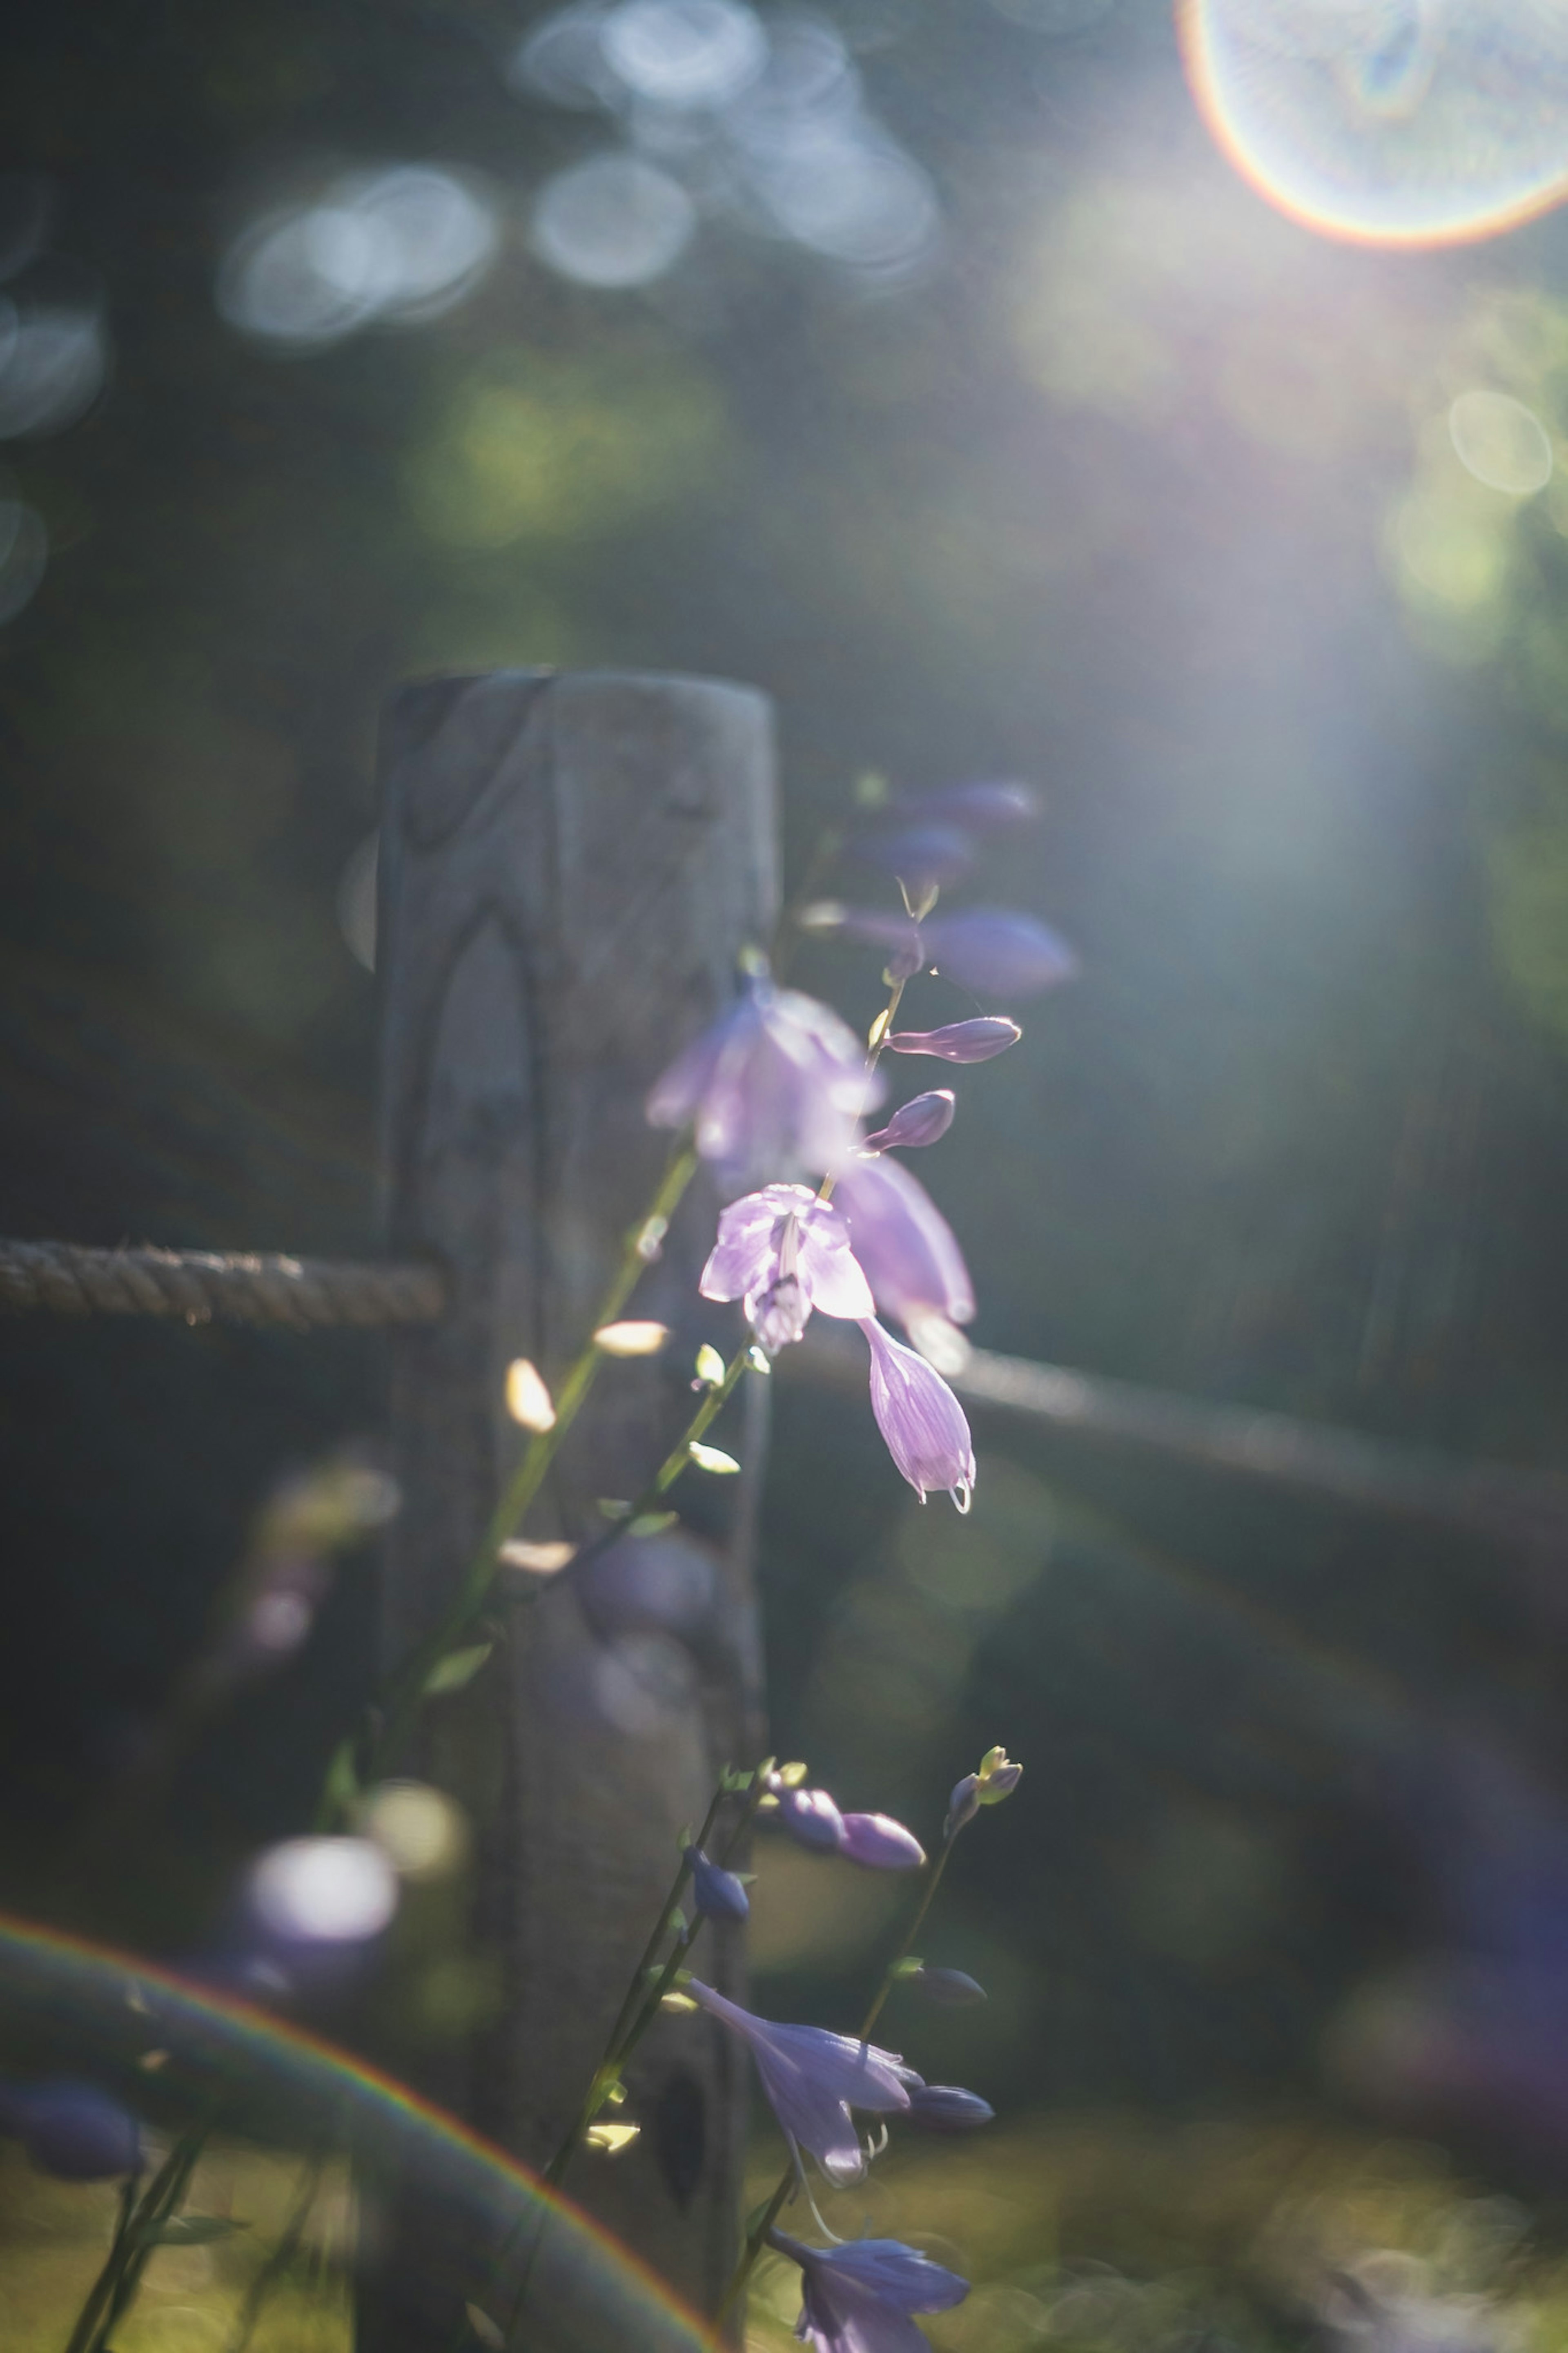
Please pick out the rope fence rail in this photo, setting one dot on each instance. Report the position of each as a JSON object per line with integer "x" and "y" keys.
{"x": 210, "y": 1286}
{"x": 1494, "y": 1501}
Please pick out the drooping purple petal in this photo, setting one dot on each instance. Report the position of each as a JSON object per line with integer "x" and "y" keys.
{"x": 920, "y": 1420}
{"x": 946, "y": 2108}
{"x": 881, "y": 1843}
{"x": 778, "y": 1080}
{"x": 782, "y": 1252}
{"x": 978, "y": 808}
{"x": 922, "y": 1120}
{"x": 996, "y": 952}
{"x": 812, "y": 2078}
{"x": 858, "y": 2298}
{"x": 716, "y": 1893}
{"x": 960, "y": 1041}
{"x": 906, "y": 1247}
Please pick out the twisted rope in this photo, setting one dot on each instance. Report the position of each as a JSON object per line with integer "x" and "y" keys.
{"x": 207, "y": 1286}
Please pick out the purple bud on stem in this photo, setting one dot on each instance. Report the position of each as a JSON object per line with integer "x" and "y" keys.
{"x": 949, "y": 1989}
{"x": 716, "y": 1893}
{"x": 944, "y": 2108}
{"x": 917, "y": 854}
{"x": 960, "y": 1041}
{"x": 963, "y": 1804}
{"x": 811, "y": 1819}
{"x": 997, "y": 952}
{"x": 921, "y": 1121}
{"x": 881, "y": 1843}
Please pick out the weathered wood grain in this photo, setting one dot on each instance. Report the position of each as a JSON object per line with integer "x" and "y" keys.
{"x": 569, "y": 865}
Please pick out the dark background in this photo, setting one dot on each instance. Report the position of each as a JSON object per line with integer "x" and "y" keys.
{"x": 1108, "y": 495}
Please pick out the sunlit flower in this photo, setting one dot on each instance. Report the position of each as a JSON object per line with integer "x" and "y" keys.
{"x": 858, "y": 2298}
{"x": 783, "y": 1252}
{"x": 777, "y": 1081}
{"x": 922, "y": 1120}
{"x": 906, "y": 1250}
{"x": 920, "y": 1420}
{"x": 813, "y": 2079}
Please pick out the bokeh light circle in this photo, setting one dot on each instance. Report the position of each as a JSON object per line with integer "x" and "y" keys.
{"x": 685, "y": 52}
{"x": 1500, "y": 442}
{"x": 397, "y": 246}
{"x": 1388, "y": 122}
{"x": 325, "y": 1890}
{"x": 614, "y": 221}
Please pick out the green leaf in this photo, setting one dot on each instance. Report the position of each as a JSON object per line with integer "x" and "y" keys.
{"x": 710, "y": 1367}
{"x": 910, "y": 1966}
{"x": 714, "y": 1459}
{"x": 614, "y": 1507}
{"x": 612, "y": 2138}
{"x": 457, "y": 1669}
{"x": 188, "y": 2231}
{"x": 652, "y": 1523}
{"x": 492, "y": 2336}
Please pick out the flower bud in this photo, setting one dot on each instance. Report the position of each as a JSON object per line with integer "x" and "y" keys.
{"x": 963, "y": 1804}
{"x": 811, "y": 1819}
{"x": 879, "y": 1843}
{"x": 944, "y": 2108}
{"x": 922, "y": 1121}
{"x": 918, "y": 855}
{"x": 716, "y": 1893}
{"x": 998, "y": 1776}
{"x": 976, "y": 808}
{"x": 951, "y": 1989}
{"x": 72, "y": 2130}
{"x": 960, "y": 1041}
{"x": 997, "y": 952}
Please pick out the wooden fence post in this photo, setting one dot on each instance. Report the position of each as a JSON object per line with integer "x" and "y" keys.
{"x": 570, "y": 864}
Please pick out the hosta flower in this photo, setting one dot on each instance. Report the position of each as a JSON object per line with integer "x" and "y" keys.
{"x": 783, "y": 1252}
{"x": 906, "y": 1250}
{"x": 857, "y": 2298}
{"x": 813, "y": 2079}
{"x": 920, "y": 1420}
{"x": 994, "y": 951}
{"x": 811, "y": 1819}
{"x": 776, "y": 1082}
{"x": 922, "y": 1120}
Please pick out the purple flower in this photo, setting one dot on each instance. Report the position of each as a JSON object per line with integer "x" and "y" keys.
{"x": 881, "y": 1843}
{"x": 814, "y": 2078}
{"x": 857, "y": 2298}
{"x": 905, "y": 1246}
{"x": 920, "y": 1121}
{"x": 716, "y": 1893}
{"x": 810, "y": 1816}
{"x": 976, "y": 808}
{"x": 944, "y": 2108}
{"x": 783, "y": 1252}
{"x": 996, "y": 952}
{"x": 950, "y": 1989}
{"x": 777, "y": 1079}
{"x": 923, "y": 856}
{"x": 960, "y": 1041}
{"x": 920, "y": 1420}
{"x": 72, "y": 2130}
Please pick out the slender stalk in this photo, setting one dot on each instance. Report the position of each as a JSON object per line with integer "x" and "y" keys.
{"x": 408, "y": 1689}
{"x": 93, "y": 2303}
{"x": 765, "y": 2222}
{"x": 114, "y": 2290}
{"x": 278, "y": 2261}
{"x": 873, "y": 1056}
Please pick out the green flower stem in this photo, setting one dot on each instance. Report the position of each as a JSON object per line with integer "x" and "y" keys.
{"x": 403, "y": 1703}
{"x": 113, "y": 2291}
{"x": 283, "y": 2255}
{"x": 770, "y": 2214}
{"x": 873, "y": 1056}
{"x": 680, "y": 1456}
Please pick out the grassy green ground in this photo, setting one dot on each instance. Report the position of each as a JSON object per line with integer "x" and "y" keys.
{"x": 1106, "y": 2235}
